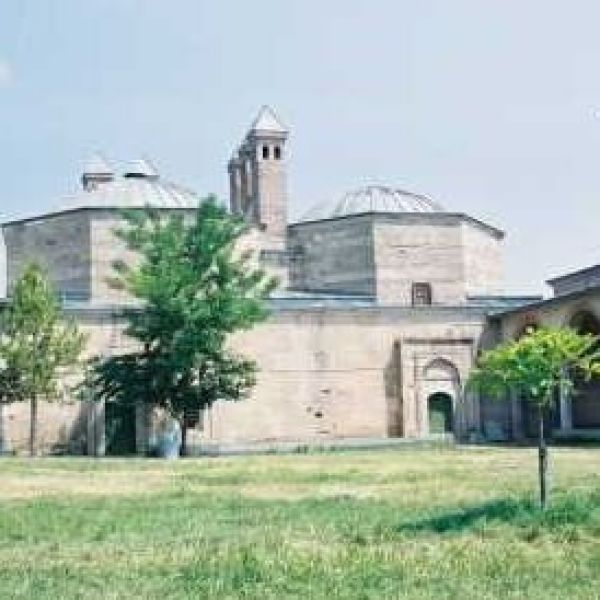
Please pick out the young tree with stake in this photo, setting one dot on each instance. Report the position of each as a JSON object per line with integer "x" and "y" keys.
{"x": 538, "y": 366}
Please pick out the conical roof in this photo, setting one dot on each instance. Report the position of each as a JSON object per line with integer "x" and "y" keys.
{"x": 268, "y": 121}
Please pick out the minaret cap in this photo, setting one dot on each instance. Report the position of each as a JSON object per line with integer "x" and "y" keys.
{"x": 267, "y": 121}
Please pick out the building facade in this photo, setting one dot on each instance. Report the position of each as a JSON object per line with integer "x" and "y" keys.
{"x": 385, "y": 300}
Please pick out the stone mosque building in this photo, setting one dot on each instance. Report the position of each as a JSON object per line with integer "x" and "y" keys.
{"x": 385, "y": 301}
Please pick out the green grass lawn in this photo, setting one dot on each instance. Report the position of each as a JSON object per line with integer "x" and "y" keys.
{"x": 380, "y": 524}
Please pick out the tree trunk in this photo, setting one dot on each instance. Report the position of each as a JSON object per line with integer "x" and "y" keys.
{"x": 183, "y": 449}
{"x": 33, "y": 427}
{"x": 4, "y": 443}
{"x": 542, "y": 459}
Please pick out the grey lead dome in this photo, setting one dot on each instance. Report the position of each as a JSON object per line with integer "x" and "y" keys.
{"x": 374, "y": 198}
{"x": 134, "y": 192}
{"x": 139, "y": 186}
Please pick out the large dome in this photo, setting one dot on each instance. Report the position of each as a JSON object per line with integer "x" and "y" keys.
{"x": 374, "y": 198}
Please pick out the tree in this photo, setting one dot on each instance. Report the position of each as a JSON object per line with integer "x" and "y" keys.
{"x": 36, "y": 344}
{"x": 538, "y": 365}
{"x": 194, "y": 288}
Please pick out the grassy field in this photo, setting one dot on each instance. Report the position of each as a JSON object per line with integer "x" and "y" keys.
{"x": 388, "y": 524}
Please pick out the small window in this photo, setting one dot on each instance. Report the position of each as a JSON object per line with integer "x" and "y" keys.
{"x": 277, "y": 152}
{"x": 421, "y": 294}
{"x": 265, "y": 152}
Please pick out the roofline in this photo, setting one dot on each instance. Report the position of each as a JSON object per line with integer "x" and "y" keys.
{"x": 427, "y": 215}
{"x": 276, "y": 306}
{"x": 532, "y": 297}
{"x": 320, "y": 304}
{"x": 581, "y": 271}
{"x": 548, "y": 301}
{"x": 65, "y": 211}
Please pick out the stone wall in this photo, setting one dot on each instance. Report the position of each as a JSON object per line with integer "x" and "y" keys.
{"x": 63, "y": 422}
{"x": 323, "y": 373}
{"x": 411, "y": 249}
{"x": 335, "y": 255}
{"x": 483, "y": 260}
{"x": 349, "y": 373}
{"x": 383, "y": 255}
{"x": 60, "y": 243}
{"x": 62, "y": 427}
{"x": 106, "y": 248}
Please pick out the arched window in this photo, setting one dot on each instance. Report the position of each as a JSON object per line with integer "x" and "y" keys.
{"x": 265, "y": 152}
{"x": 277, "y": 152}
{"x": 585, "y": 321}
{"x": 585, "y": 400}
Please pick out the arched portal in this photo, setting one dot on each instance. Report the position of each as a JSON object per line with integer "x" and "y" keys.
{"x": 585, "y": 321}
{"x": 440, "y": 397}
{"x": 585, "y": 401}
{"x": 439, "y": 411}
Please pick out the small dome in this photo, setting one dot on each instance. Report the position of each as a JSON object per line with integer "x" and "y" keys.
{"x": 134, "y": 192}
{"x": 374, "y": 198}
{"x": 140, "y": 186}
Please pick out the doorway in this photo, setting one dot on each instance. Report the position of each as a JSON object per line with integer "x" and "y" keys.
{"x": 119, "y": 428}
{"x": 439, "y": 409}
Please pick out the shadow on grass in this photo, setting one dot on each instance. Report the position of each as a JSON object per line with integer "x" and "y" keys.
{"x": 522, "y": 513}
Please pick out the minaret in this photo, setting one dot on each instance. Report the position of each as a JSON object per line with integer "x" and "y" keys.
{"x": 258, "y": 176}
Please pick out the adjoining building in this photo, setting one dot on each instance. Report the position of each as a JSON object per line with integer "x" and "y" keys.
{"x": 385, "y": 301}
{"x": 575, "y": 303}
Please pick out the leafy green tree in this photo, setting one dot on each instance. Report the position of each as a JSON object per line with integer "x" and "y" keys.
{"x": 538, "y": 366}
{"x": 194, "y": 288}
{"x": 37, "y": 343}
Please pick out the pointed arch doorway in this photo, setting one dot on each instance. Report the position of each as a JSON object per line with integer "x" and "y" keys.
{"x": 440, "y": 389}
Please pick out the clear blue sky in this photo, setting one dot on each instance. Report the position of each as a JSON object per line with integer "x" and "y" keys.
{"x": 491, "y": 108}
